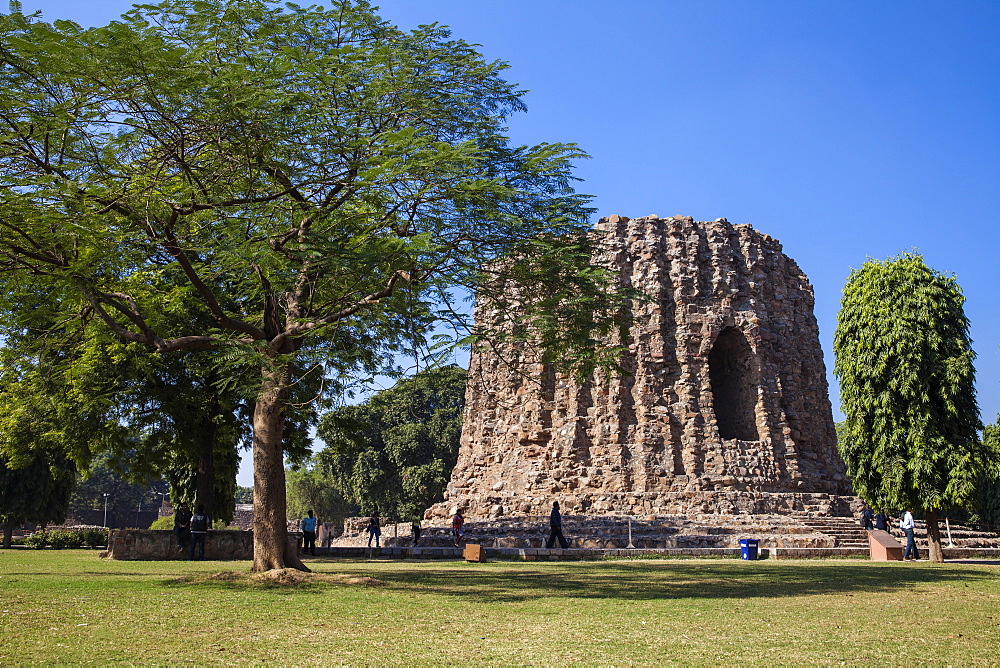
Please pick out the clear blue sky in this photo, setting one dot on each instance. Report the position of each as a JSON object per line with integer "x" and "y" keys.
{"x": 845, "y": 129}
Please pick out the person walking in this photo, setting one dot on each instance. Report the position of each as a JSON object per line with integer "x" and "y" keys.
{"x": 199, "y": 532}
{"x": 415, "y": 530}
{"x": 309, "y": 534}
{"x": 458, "y": 527}
{"x": 182, "y": 526}
{"x": 374, "y": 531}
{"x": 555, "y": 527}
{"x": 907, "y": 525}
{"x": 882, "y": 521}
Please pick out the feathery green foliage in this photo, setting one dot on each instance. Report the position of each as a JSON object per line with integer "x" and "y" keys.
{"x": 989, "y": 487}
{"x": 310, "y": 487}
{"x": 302, "y": 192}
{"x": 904, "y": 361}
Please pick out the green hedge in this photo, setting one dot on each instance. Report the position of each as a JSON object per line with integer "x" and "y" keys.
{"x": 167, "y": 522}
{"x": 69, "y": 538}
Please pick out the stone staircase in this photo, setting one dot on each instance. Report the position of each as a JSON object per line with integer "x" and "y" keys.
{"x": 961, "y": 536}
{"x": 620, "y": 532}
{"x": 845, "y": 531}
{"x": 797, "y": 530}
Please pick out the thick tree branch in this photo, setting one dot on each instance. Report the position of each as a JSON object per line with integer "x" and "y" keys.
{"x": 373, "y": 298}
{"x": 173, "y": 247}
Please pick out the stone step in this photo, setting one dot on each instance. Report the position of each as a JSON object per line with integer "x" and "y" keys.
{"x": 658, "y": 532}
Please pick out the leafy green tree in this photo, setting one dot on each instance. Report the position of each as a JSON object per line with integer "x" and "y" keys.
{"x": 311, "y": 488}
{"x": 323, "y": 185}
{"x": 989, "y": 488}
{"x": 36, "y": 489}
{"x": 904, "y": 360}
{"x": 243, "y": 494}
{"x": 393, "y": 454}
{"x": 167, "y": 415}
{"x": 128, "y": 488}
{"x": 188, "y": 428}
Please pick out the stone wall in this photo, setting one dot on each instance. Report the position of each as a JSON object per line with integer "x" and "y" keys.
{"x": 721, "y": 404}
{"x": 154, "y": 545}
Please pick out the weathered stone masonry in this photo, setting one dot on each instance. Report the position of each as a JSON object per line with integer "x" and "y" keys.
{"x": 722, "y": 405}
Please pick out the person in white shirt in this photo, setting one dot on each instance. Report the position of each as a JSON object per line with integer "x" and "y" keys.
{"x": 906, "y": 524}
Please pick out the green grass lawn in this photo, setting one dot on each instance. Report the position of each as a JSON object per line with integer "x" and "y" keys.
{"x": 68, "y": 606}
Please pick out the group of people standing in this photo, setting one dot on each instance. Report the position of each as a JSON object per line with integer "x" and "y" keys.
{"x": 191, "y": 530}
{"x": 880, "y": 521}
{"x": 374, "y": 531}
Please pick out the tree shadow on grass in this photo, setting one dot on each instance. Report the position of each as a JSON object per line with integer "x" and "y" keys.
{"x": 657, "y": 581}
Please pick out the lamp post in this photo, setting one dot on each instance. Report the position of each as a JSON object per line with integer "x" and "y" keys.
{"x": 163, "y": 500}
{"x": 106, "y": 495}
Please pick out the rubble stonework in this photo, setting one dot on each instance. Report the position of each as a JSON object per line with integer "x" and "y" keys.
{"x": 721, "y": 404}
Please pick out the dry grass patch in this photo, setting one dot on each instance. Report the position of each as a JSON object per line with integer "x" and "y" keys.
{"x": 280, "y": 577}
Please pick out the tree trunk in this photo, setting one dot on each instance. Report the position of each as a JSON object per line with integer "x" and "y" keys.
{"x": 933, "y": 538}
{"x": 270, "y": 531}
{"x": 8, "y": 534}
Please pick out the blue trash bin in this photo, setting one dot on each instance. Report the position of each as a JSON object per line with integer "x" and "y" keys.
{"x": 748, "y": 549}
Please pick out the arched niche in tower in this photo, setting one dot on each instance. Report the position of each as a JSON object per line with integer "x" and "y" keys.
{"x": 732, "y": 373}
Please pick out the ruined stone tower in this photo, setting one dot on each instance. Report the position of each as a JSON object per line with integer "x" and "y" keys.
{"x": 722, "y": 405}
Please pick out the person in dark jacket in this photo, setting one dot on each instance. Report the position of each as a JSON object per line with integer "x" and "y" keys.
{"x": 866, "y": 518}
{"x": 882, "y": 521}
{"x": 555, "y": 527}
{"x": 182, "y": 526}
{"x": 199, "y": 532}
{"x": 374, "y": 530}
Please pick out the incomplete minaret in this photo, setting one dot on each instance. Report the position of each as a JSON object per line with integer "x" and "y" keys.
{"x": 722, "y": 405}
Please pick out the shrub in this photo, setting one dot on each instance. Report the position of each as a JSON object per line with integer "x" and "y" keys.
{"x": 94, "y": 537}
{"x": 60, "y": 538}
{"x": 165, "y": 522}
{"x": 37, "y": 540}
{"x": 69, "y": 538}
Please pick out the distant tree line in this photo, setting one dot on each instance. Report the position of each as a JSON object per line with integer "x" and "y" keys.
{"x": 391, "y": 455}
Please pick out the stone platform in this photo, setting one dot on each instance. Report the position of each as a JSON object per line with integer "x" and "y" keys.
{"x": 687, "y": 502}
{"x": 585, "y": 554}
{"x": 804, "y": 529}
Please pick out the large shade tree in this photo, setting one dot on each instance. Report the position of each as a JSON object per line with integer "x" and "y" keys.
{"x": 905, "y": 365}
{"x": 323, "y": 185}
